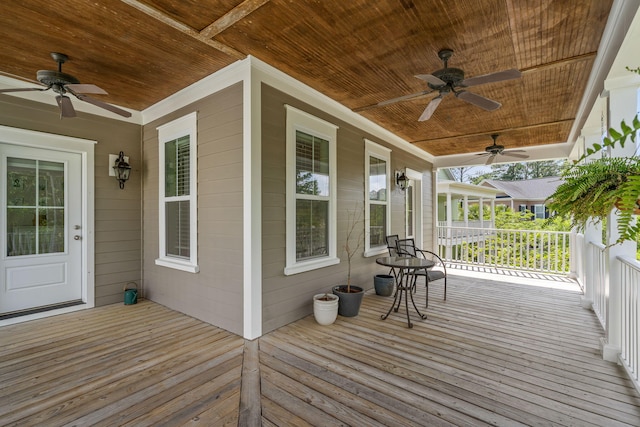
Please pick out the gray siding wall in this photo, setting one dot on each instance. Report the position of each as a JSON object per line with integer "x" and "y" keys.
{"x": 215, "y": 293}
{"x": 117, "y": 212}
{"x": 289, "y": 298}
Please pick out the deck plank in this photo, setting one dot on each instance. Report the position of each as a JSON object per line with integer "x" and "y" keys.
{"x": 494, "y": 353}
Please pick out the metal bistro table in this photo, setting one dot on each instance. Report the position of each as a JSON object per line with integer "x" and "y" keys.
{"x": 404, "y": 281}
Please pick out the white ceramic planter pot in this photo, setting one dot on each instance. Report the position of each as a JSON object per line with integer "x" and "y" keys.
{"x": 325, "y": 308}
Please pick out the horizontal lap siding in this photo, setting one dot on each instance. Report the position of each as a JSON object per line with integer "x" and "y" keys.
{"x": 215, "y": 293}
{"x": 117, "y": 212}
{"x": 289, "y": 298}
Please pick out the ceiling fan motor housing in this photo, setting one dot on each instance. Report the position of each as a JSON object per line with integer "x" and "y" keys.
{"x": 55, "y": 78}
{"x": 451, "y": 76}
{"x": 494, "y": 149}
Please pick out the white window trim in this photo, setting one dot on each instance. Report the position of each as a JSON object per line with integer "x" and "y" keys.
{"x": 383, "y": 153}
{"x": 298, "y": 120}
{"x": 186, "y": 125}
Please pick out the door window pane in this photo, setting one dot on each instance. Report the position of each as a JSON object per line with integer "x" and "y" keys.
{"x": 35, "y": 207}
{"x": 410, "y": 218}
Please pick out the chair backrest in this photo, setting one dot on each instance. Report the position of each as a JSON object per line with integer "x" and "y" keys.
{"x": 392, "y": 246}
{"x": 406, "y": 247}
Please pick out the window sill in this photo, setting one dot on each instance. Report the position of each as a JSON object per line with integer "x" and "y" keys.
{"x": 178, "y": 265}
{"x": 376, "y": 251}
{"x": 301, "y": 267}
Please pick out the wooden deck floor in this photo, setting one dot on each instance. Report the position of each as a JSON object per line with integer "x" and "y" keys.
{"x": 493, "y": 354}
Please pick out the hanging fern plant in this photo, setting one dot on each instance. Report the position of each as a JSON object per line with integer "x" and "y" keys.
{"x": 591, "y": 190}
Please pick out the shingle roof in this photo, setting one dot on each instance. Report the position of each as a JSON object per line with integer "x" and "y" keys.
{"x": 530, "y": 189}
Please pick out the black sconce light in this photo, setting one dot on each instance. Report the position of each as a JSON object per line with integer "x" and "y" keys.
{"x": 122, "y": 170}
{"x": 401, "y": 180}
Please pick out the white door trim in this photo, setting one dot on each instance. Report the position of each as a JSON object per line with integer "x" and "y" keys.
{"x": 417, "y": 213}
{"x": 84, "y": 147}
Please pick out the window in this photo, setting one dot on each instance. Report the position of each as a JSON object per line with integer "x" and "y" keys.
{"x": 178, "y": 217}
{"x": 539, "y": 211}
{"x": 377, "y": 206}
{"x": 311, "y": 192}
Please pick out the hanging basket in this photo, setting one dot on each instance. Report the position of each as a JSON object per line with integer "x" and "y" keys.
{"x": 636, "y": 208}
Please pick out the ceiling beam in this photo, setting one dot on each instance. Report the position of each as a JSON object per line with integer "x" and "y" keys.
{"x": 234, "y": 15}
{"x": 500, "y": 131}
{"x": 180, "y": 26}
{"x": 560, "y": 62}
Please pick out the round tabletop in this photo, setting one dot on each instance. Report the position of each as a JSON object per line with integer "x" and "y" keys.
{"x": 404, "y": 262}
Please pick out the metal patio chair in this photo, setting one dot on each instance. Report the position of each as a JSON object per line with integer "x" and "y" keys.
{"x": 407, "y": 247}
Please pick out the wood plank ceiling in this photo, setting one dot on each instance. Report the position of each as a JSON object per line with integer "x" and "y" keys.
{"x": 357, "y": 52}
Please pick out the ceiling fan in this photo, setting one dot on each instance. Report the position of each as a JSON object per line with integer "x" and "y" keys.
{"x": 451, "y": 80}
{"x": 496, "y": 150}
{"x": 63, "y": 83}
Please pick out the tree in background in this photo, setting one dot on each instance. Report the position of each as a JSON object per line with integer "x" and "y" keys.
{"x": 464, "y": 173}
{"x": 508, "y": 171}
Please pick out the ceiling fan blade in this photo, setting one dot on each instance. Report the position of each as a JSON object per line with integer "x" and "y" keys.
{"x": 435, "y": 81}
{"x": 512, "y": 154}
{"x": 404, "y": 98}
{"x": 479, "y": 101}
{"x": 85, "y": 88}
{"x": 431, "y": 108}
{"x": 104, "y": 105}
{"x": 24, "y": 89}
{"x": 66, "y": 108}
{"x": 490, "y": 159}
{"x": 492, "y": 78}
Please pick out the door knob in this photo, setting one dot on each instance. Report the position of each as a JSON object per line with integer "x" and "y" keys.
{"x": 76, "y": 237}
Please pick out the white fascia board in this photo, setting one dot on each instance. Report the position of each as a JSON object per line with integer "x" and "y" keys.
{"x": 466, "y": 189}
{"x": 231, "y": 74}
{"x": 287, "y": 84}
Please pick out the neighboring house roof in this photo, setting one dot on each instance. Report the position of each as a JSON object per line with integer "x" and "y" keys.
{"x": 444, "y": 174}
{"x": 530, "y": 189}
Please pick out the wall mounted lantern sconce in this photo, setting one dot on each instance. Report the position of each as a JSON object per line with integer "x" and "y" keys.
{"x": 121, "y": 170}
{"x": 401, "y": 180}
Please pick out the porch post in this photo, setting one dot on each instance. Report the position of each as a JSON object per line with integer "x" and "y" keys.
{"x": 623, "y": 105}
{"x": 493, "y": 213}
{"x": 466, "y": 210}
{"x": 481, "y": 211}
{"x": 448, "y": 251}
{"x": 592, "y": 232}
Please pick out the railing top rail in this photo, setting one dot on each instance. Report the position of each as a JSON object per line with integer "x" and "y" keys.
{"x": 505, "y": 229}
{"x": 633, "y": 263}
{"x": 598, "y": 245}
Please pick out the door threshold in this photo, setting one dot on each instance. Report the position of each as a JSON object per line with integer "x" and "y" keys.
{"x": 42, "y": 309}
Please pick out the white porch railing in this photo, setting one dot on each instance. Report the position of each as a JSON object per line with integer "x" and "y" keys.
{"x": 473, "y": 223}
{"x": 630, "y": 311}
{"x": 596, "y": 273}
{"x": 533, "y": 250}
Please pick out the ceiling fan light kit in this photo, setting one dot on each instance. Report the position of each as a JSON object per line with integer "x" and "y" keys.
{"x": 63, "y": 83}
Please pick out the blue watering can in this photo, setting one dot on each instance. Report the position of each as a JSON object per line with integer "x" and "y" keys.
{"x": 130, "y": 294}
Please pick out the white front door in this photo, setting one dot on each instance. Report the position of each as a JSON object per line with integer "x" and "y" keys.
{"x": 41, "y": 228}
